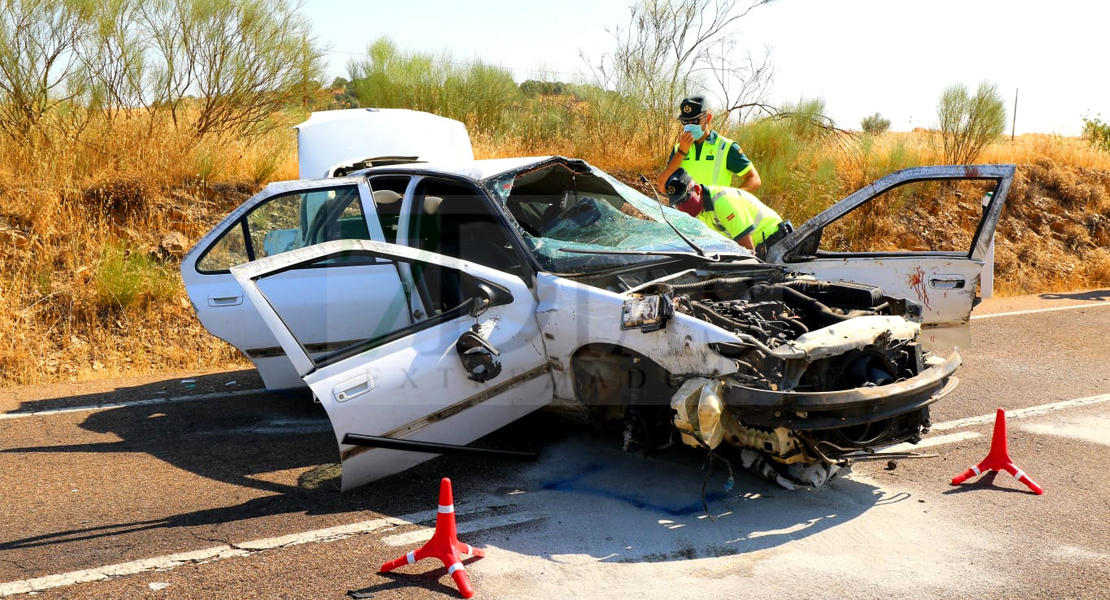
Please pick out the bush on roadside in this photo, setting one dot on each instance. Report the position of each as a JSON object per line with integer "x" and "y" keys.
{"x": 968, "y": 123}
{"x": 874, "y": 124}
{"x": 126, "y": 278}
{"x": 1097, "y": 133}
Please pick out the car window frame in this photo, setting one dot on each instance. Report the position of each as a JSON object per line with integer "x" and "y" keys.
{"x": 272, "y": 192}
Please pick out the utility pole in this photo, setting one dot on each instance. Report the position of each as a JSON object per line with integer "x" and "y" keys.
{"x": 1013, "y": 127}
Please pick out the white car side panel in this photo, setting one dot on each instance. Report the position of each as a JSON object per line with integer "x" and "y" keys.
{"x": 572, "y": 315}
{"x": 944, "y": 286}
{"x": 323, "y": 305}
{"x": 419, "y": 381}
{"x": 944, "y": 283}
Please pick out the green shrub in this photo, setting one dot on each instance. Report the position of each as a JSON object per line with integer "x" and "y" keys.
{"x": 874, "y": 124}
{"x": 127, "y": 278}
{"x": 475, "y": 93}
{"x": 968, "y": 123}
{"x": 1097, "y": 133}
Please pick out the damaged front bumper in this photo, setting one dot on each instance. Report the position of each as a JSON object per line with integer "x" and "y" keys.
{"x": 813, "y": 411}
{"x": 796, "y": 429}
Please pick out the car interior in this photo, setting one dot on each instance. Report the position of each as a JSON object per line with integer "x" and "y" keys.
{"x": 454, "y": 220}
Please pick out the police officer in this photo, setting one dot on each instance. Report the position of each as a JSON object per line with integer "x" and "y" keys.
{"x": 735, "y": 214}
{"x": 707, "y": 156}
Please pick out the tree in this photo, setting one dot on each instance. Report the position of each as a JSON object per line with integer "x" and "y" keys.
{"x": 968, "y": 123}
{"x": 1096, "y": 133}
{"x": 38, "y": 60}
{"x": 673, "y": 48}
{"x": 874, "y": 124}
{"x": 245, "y": 59}
{"x": 216, "y": 65}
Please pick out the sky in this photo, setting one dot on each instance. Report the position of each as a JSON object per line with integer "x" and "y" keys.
{"x": 894, "y": 57}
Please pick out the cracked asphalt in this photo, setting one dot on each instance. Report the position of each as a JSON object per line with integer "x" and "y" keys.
{"x": 196, "y": 484}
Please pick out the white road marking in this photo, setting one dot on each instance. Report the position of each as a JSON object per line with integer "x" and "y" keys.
{"x": 1022, "y": 413}
{"x": 1092, "y": 429}
{"x": 1037, "y": 310}
{"x": 330, "y": 534}
{"x": 146, "y": 402}
{"x": 412, "y": 538}
{"x": 951, "y": 438}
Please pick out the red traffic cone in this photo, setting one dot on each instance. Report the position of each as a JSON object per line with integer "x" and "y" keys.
{"x": 998, "y": 459}
{"x": 444, "y": 544}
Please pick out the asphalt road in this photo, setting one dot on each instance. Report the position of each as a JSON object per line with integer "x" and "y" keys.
{"x": 200, "y": 486}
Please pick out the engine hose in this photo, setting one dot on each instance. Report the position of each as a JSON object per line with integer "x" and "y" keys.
{"x": 799, "y": 327}
{"x": 812, "y": 307}
{"x": 811, "y": 446}
{"x": 679, "y": 287}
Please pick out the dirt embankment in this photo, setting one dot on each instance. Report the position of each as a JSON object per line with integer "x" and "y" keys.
{"x": 1055, "y": 230}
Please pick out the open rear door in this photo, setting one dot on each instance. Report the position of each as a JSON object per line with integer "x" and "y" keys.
{"x": 939, "y": 272}
{"x": 474, "y": 365}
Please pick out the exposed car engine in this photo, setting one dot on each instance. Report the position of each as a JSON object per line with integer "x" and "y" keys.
{"x": 814, "y": 360}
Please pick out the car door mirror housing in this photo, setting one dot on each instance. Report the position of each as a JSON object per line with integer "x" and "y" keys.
{"x": 487, "y": 295}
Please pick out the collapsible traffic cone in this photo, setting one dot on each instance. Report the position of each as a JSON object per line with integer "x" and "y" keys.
{"x": 998, "y": 459}
{"x": 444, "y": 544}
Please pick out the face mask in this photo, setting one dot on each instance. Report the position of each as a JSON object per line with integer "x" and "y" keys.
{"x": 694, "y": 130}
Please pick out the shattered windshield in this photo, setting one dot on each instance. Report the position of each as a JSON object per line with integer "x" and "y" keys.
{"x": 560, "y": 208}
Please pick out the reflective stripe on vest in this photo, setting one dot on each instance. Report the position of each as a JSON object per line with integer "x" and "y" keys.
{"x": 699, "y": 167}
{"x": 764, "y": 220}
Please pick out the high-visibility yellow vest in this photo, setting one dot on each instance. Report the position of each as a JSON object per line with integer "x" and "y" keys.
{"x": 731, "y": 211}
{"x": 711, "y": 166}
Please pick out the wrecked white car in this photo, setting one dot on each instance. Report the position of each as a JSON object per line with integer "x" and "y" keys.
{"x": 427, "y": 305}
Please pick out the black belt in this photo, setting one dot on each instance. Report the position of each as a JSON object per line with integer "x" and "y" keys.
{"x": 784, "y": 229}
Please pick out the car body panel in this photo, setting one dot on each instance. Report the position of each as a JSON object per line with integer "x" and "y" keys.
{"x": 325, "y": 305}
{"x": 572, "y": 315}
{"x": 414, "y": 386}
{"x": 332, "y": 137}
{"x": 943, "y": 283}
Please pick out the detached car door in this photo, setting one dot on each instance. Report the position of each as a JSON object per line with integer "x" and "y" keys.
{"x": 916, "y": 220}
{"x": 317, "y": 300}
{"x": 475, "y": 364}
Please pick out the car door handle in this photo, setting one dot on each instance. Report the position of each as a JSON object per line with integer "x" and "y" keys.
{"x": 217, "y": 302}
{"x": 353, "y": 388}
{"x": 947, "y": 282}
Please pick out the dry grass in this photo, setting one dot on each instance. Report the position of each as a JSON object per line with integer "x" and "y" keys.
{"x": 90, "y": 242}
{"x": 91, "y": 235}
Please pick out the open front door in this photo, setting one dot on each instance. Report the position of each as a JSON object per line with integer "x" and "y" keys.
{"x": 475, "y": 364}
{"x": 917, "y": 220}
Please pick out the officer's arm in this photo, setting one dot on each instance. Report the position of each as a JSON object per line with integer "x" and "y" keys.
{"x": 746, "y": 241}
{"x": 742, "y": 166}
{"x": 685, "y": 146}
{"x": 751, "y": 180}
{"x": 735, "y": 223}
{"x": 672, "y": 166}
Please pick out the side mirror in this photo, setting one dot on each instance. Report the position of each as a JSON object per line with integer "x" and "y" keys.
{"x": 483, "y": 299}
{"x": 486, "y": 295}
